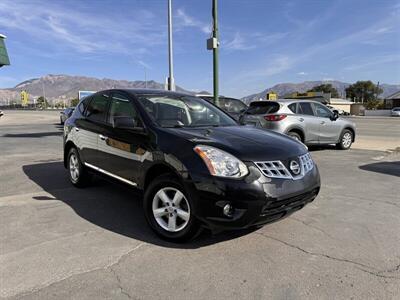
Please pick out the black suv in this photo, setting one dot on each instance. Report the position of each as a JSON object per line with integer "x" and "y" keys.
{"x": 196, "y": 165}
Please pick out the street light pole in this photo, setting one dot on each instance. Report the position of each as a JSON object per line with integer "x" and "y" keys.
{"x": 171, "y": 81}
{"x": 215, "y": 50}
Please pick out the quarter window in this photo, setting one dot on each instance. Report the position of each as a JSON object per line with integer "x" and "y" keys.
{"x": 305, "y": 108}
{"x": 292, "y": 107}
{"x": 97, "y": 109}
{"x": 84, "y": 103}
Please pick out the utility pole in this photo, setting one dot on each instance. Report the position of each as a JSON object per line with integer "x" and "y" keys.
{"x": 212, "y": 44}
{"x": 145, "y": 77}
{"x": 44, "y": 95}
{"x": 171, "y": 81}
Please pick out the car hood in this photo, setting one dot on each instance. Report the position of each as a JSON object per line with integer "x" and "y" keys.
{"x": 245, "y": 142}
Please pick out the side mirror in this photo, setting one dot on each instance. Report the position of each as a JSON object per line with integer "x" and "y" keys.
{"x": 335, "y": 115}
{"x": 126, "y": 123}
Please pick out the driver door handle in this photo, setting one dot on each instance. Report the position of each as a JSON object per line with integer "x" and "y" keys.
{"x": 323, "y": 122}
{"x": 301, "y": 120}
{"x": 76, "y": 129}
{"x": 102, "y": 137}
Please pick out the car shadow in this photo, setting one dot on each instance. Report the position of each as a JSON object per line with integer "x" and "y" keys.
{"x": 384, "y": 167}
{"x": 315, "y": 148}
{"x": 33, "y": 135}
{"x": 114, "y": 207}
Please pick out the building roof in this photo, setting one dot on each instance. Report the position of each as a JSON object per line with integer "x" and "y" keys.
{"x": 394, "y": 96}
{"x": 340, "y": 101}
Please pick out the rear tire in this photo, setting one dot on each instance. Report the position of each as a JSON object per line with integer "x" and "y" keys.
{"x": 168, "y": 208}
{"x": 295, "y": 136}
{"x": 346, "y": 140}
{"x": 78, "y": 175}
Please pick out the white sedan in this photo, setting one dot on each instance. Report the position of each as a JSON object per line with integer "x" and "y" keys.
{"x": 396, "y": 112}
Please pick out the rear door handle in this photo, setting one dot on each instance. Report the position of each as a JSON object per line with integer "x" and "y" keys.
{"x": 102, "y": 137}
{"x": 76, "y": 129}
{"x": 323, "y": 122}
{"x": 301, "y": 120}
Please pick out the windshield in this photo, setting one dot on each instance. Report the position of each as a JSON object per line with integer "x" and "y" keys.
{"x": 262, "y": 108}
{"x": 183, "y": 111}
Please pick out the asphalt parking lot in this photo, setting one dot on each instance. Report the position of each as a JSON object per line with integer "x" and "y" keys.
{"x": 57, "y": 241}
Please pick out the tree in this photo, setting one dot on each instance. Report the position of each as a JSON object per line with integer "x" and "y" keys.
{"x": 42, "y": 102}
{"x": 325, "y": 88}
{"x": 74, "y": 102}
{"x": 363, "y": 91}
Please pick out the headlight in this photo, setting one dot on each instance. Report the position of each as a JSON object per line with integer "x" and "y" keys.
{"x": 221, "y": 163}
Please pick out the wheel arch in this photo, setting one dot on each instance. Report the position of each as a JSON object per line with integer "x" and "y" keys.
{"x": 158, "y": 169}
{"x": 299, "y": 131}
{"x": 67, "y": 148}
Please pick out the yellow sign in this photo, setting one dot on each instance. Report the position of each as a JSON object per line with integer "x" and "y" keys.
{"x": 271, "y": 96}
{"x": 24, "y": 98}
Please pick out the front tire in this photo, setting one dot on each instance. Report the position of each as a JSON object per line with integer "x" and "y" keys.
{"x": 346, "y": 139}
{"x": 169, "y": 209}
{"x": 78, "y": 174}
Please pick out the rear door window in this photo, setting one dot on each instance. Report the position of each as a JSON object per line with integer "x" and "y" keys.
{"x": 97, "y": 109}
{"x": 262, "y": 108}
{"x": 305, "y": 109}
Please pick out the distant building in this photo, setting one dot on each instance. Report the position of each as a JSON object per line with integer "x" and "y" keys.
{"x": 4, "y": 60}
{"x": 271, "y": 96}
{"x": 341, "y": 104}
{"x": 392, "y": 100}
{"x": 316, "y": 96}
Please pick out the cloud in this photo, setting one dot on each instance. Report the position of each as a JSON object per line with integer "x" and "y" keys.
{"x": 182, "y": 20}
{"x": 238, "y": 43}
{"x": 61, "y": 28}
{"x": 384, "y": 59}
{"x": 302, "y": 73}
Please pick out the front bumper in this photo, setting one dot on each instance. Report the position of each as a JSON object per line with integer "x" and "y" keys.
{"x": 256, "y": 199}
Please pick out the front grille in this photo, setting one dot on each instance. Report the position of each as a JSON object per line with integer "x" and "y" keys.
{"x": 306, "y": 162}
{"x": 276, "y": 168}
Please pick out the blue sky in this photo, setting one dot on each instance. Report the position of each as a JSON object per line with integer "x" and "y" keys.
{"x": 263, "y": 42}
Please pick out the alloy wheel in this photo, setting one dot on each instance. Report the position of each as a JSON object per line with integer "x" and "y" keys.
{"x": 346, "y": 140}
{"x": 74, "y": 167}
{"x": 171, "y": 209}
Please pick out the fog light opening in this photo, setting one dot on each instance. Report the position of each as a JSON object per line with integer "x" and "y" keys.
{"x": 228, "y": 210}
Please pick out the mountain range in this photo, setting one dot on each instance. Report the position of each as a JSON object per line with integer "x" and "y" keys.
{"x": 66, "y": 87}
{"x": 283, "y": 89}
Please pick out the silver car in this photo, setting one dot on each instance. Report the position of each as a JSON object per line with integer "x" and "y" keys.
{"x": 308, "y": 121}
{"x": 395, "y": 112}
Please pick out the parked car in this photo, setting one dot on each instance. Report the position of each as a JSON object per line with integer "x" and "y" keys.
{"x": 1, "y": 113}
{"x": 196, "y": 165}
{"x": 340, "y": 111}
{"x": 307, "y": 121}
{"x": 233, "y": 107}
{"x": 395, "y": 112}
{"x": 65, "y": 114}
